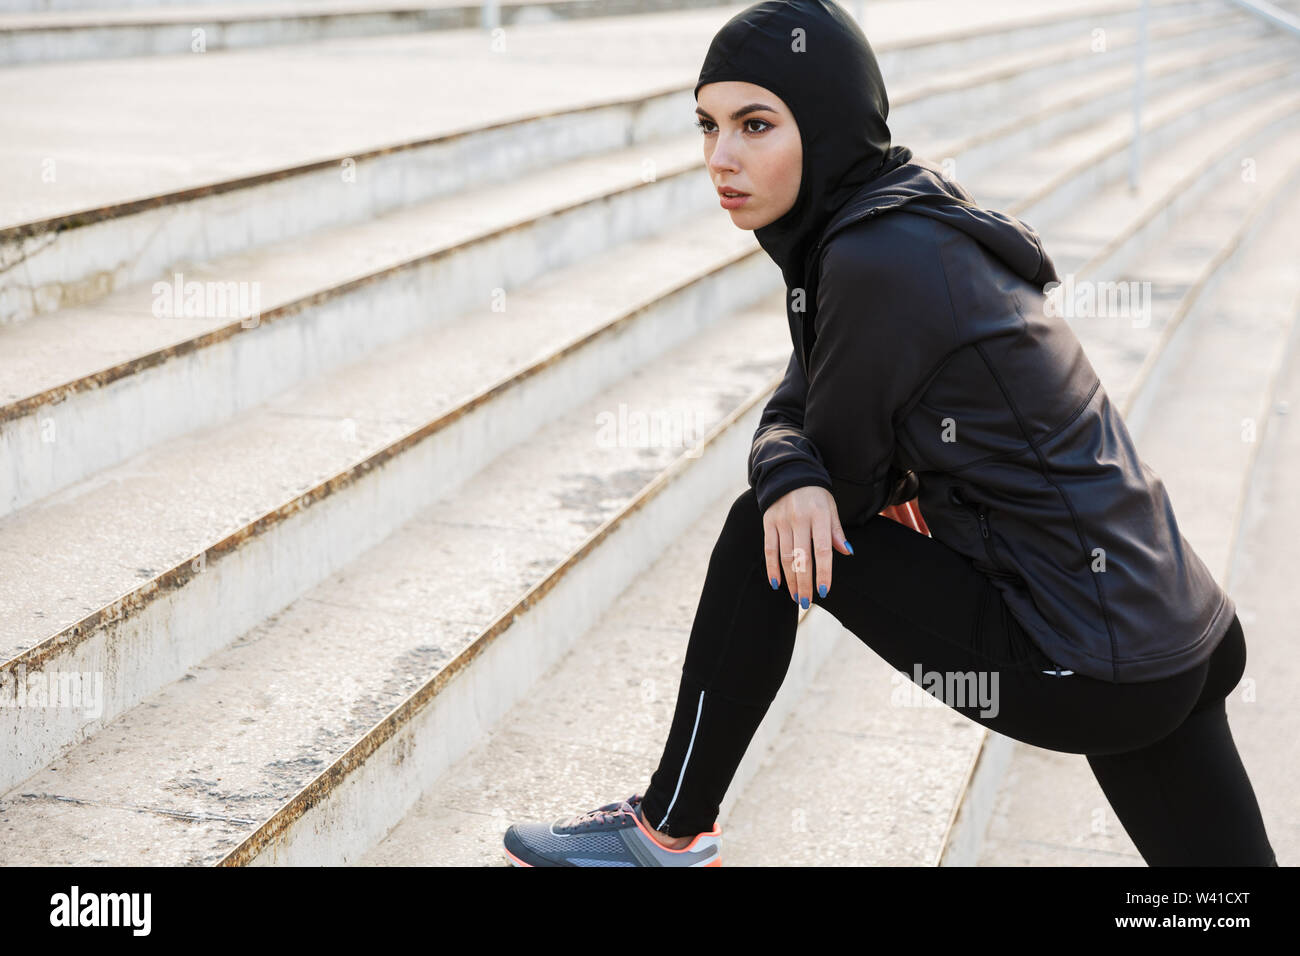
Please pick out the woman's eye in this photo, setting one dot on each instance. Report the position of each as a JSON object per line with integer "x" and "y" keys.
{"x": 704, "y": 126}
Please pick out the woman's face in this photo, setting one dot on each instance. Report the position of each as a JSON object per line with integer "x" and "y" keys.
{"x": 751, "y": 145}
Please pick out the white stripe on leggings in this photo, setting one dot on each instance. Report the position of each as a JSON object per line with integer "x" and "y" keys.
{"x": 698, "y": 710}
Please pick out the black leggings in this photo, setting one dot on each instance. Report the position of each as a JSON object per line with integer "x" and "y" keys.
{"x": 1161, "y": 750}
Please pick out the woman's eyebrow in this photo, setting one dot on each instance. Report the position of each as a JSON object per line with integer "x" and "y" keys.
{"x": 751, "y": 108}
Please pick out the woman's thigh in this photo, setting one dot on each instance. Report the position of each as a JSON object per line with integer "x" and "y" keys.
{"x": 932, "y": 615}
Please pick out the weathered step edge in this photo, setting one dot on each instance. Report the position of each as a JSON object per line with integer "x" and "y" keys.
{"x": 230, "y": 586}
{"x": 99, "y": 33}
{"x": 352, "y": 804}
{"x": 133, "y": 241}
{"x": 312, "y": 334}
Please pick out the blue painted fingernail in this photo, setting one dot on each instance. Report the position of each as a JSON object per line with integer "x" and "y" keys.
{"x": 849, "y": 546}
{"x": 821, "y": 589}
{"x": 775, "y": 584}
{"x": 805, "y": 603}
{"x": 796, "y": 598}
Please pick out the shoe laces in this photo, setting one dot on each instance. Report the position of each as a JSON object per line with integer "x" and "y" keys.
{"x": 606, "y": 813}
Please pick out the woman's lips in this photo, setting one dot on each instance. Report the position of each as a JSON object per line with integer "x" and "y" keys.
{"x": 732, "y": 202}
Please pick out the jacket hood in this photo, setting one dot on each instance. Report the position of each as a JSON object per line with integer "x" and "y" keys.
{"x": 918, "y": 186}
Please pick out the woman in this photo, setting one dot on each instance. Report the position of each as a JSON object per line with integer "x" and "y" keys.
{"x": 924, "y": 366}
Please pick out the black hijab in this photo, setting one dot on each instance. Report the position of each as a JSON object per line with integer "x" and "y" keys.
{"x": 814, "y": 56}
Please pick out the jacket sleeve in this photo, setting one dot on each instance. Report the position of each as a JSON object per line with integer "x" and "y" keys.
{"x": 782, "y": 457}
{"x": 884, "y": 325}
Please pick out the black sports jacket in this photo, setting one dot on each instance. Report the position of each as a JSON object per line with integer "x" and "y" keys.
{"x": 932, "y": 369}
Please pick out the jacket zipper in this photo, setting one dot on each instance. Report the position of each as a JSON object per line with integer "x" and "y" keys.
{"x": 981, "y": 512}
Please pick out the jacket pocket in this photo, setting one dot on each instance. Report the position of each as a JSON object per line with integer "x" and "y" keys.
{"x": 981, "y": 512}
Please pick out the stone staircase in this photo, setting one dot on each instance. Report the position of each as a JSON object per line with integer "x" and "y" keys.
{"x": 492, "y": 368}
{"x": 43, "y": 31}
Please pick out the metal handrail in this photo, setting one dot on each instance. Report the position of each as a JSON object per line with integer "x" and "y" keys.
{"x": 1272, "y": 13}
{"x": 1269, "y": 12}
{"x": 1139, "y": 83}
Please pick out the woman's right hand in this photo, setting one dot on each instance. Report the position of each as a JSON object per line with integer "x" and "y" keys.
{"x": 801, "y": 531}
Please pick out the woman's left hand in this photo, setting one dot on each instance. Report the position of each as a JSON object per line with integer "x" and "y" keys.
{"x": 802, "y": 523}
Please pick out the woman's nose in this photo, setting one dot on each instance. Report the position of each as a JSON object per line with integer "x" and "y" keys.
{"x": 720, "y": 159}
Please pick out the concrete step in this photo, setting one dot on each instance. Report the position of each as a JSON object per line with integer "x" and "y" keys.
{"x": 82, "y": 369}
{"x": 337, "y": 147}
{"x": 43, "y": 31}
{"x": 865, "y": 773}
{"x": 151, "y": 7}
{"x": 975, "y": 31}
{"x": 1049, "y": 181}
{"x": 591, "y": 729}
{"x": 1171, "y": 278}
{"x": 1076, "y": 88}
{"x": 954, "y": 95}
{"x": 1222, "y": 443}
{"x": 305, "y": 308}
{"x": 1262, "y": 719}
{"x": 101, "y": 29}
{"x": 483, "y": 588}
{"x": 197, "y": 541}
{"x": 1101, "y": 237}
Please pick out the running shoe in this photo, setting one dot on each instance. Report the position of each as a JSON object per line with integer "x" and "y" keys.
{"x": 612, "y": 835}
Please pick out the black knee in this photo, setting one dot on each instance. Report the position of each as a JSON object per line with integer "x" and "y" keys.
{"x": 745, "y": 518}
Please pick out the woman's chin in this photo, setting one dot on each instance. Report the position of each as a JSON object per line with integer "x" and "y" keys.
{"x": 744, "y": 218}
